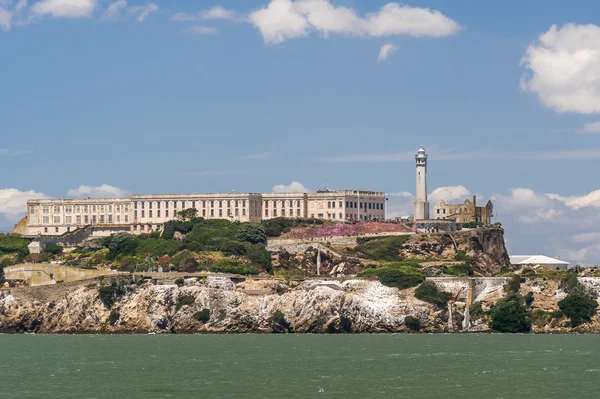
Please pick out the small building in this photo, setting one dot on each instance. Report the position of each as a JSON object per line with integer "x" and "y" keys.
{"x": 467, "y": 212}
{"x": 538, "y": 260}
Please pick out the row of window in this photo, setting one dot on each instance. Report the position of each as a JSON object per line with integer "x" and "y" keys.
{"x": 79, "y": 208}
{"x": 364, "y": 205}
{"x": 283, "y": 213}
{"x": 184, "y": 204}
{"x": 85, "y": 219}
{"x": 283, "y": 203}
{"x": 230, "y": 213}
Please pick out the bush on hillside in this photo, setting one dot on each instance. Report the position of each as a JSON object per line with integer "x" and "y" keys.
{"x": 579, "y": 307}
{"x": 113, "y": 317}
{"x": 121, "y": 244}
{"x": 412, "y": 323}
{"x": 382, "y": 248}
{"x": 251, "y": 232}
{"x": 202, "y": 316}
{"x": 509, "y": 315}
{"x": 258, "y": 255}
{"x": 429, "y": 292}
{"x": 14, "y": 244}
{"x": 184, "y": 300}
{"x": 53, "y": 248}
{"x": 399, "y": 279}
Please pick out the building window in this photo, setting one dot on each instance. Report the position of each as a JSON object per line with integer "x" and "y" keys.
{"x": 86, "y": 219}
{"x": 220, "y": 204}
{"x": 94, "y": 219}
{"x": 68, "y": 209}
{"x": 110, "y": 208}
{"x": 320, "y": 216}
{"x": 68, "y": 219}
{"x": 101, "y": 219}
{"x": 229, "y": 204}
{"x": 333, "y": 215}
{"x": 150, "y": 213}
{"x": 46, "y": 219}
{"x": 341, "y": 217}
{"x": 101, "y": 208}
{"x": 341, "y": 204}
{"x": 243, "y": 211}
{"x": 158, "y": 213}
{"x": 56, "y": 209}
{"x": 236, "y": 203}
{"x": 212, "y": 212}
{"x": 126, "y": 218}
{"x": 220, "y": 212}
{"x": 166, "y": 204}
{"x": 118, "y": 218}
{"x": 94, "y": 208}
{"x": 274, "y": 212}
{"x": 266, "y": 204}
{"x": 237, "y": 212}
{"x": 194, "y": 204}
{"x": 354, "y": 205}
{"x": 297, "y": 212}
{"x": 56, "y": 219}
{"x": 56, "y": 229}
{"x": 283, "y": 212}
{"x": 212, "y": 204}
{"x": 204, "y": 212}
{"x": 182, "y": 204}
{"x": 45, "y": 229}
{"x": 46, "y": 209}
{"x": 143, "y": 213}
{"x": 328, "y": 204}
{"x": 266, "y": 213}
{"x": 166, "y": 213}
{"x": 110, "y": 219}
{"x": 78, "y": 219}
{"x": 86, "y": 209}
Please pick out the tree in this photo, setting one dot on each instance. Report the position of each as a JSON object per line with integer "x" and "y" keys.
{"x": 509, "y": 315}
{"x": 187, "y": 214}
{"x": 429, "y": 292}
{"x": 251, "y": 232}
{"x": 190, "y": 265}
{"x": 579, "y": 307}
{"x": 122, "y": 244}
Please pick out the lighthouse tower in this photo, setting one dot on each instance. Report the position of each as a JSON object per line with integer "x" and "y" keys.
{"x": 421, "y": 204}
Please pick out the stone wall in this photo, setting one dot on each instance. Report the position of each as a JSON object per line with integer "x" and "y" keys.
{"x": 44, "y": 274}
{"x": 481, "y": 286}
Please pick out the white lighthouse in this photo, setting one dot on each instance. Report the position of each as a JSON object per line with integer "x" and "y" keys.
{"x": 421, "y": 204}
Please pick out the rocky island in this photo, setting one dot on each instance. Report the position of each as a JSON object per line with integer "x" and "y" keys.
{"x": 289, "y": 279}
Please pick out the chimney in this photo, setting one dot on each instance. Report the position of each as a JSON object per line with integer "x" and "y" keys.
{"x": 558, "y": 257}
{"x": 474, "y": 201}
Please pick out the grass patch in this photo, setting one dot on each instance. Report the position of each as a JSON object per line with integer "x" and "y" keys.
{"x": 202, "y": 316}
{"x": 382, "y": 248}
{"x": 429, "y": 292}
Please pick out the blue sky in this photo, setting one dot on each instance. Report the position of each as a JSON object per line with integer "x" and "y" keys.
{"x": 201, "y": 96}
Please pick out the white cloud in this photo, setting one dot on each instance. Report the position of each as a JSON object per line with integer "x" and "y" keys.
{"x": 103, "y": 191}
{"x": 586, "y": 237}
{"x": 449, "y": 194}
{"x": 385, "y": 51}
{"x": 564, "y": 67}
{"x": 21, "y": 4}
{"x": 293, "y": 187}
{"x": 576, "y": 202}
{"x": 143, "y": 11}
{"x": 65, "y": 8}
{"x": 528, "y": 206}
{"x": 219, "y": 12}
{"x": 590, "y": 128}
{"x": 13, "y": 202}
{"x": 286, "y": 19}
{"x": 113, "y": 12}
{"x": 401, "y": 194}
{"x": 5, "y": 19}
{"x": 202, "y": 30}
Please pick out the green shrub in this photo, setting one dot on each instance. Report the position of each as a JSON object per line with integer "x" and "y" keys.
{"x": 232, "y": 267}
{"x": 277, "y": 226}
{"x": 121, "y": 244}
{"x": 190, "y": 265}
{"x": 202, "y": 316}
{"x": 461, "y": 256}
{"x": 569, "y": 283}
{"x": 258, "y": 255}
{"x": 509, "y": 315}
{"x": 181, "y": 257}
{"x": 113, "y": 317}
{"x": 382, "y": 248}
{"x": 556, "y": 314}
{"x": 14, "y": 244}
{"x": 463, "y": 270}
{"x": 232, "y": 248}
{"x": 429, "y": 292}
{"x": 108, "y": 294}
{"x": 513, "y": 285}
{"x": 53, "y": 248}
{"x": 37, "y": 258}
{"x": 179, "y": 281}
{"x": 251, "y": 232}
{"x": 412, "y": 323}
{"x": 183, "y": 300}
{"x": 279, "y": 322}
{"x": 398, "y": 278}
{"x": 578, "y": 306}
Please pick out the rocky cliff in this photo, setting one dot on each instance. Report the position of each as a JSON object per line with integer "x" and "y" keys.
{"x": 223, "y": 305}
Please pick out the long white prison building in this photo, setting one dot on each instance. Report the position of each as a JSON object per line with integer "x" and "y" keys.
{"x": 141, "y": 213}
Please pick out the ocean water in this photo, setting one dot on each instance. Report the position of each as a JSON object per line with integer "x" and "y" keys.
{"x": 300, "y": 366}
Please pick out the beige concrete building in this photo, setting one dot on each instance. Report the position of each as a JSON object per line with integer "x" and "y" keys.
{"x": 466, "y": 212}
{"x": 144, "y": 213}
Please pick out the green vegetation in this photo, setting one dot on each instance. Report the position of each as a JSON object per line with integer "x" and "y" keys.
{"x": 14, "y": 244}
{"x": 472, "y": 225}
{"x": 402, "y": 275}
{"x": 179, "y": 281}
{"x": 509, "y": 314}
{"x": 202, "y": 316}
{"x": 476, "y": 310}
{"x": 412, "y": 323}
{"x": 540, "y": 318}
{"x": 53, "y": 248}
{"x": 429, "y": 292}
{"x": 579, "y": 306}
{"x": 252, "y": 233}
{"x": 183, "y": 300}
{"x": 382, "y": 248}
{"x": 113, "y": 317}
{"x": 529, "y": 298}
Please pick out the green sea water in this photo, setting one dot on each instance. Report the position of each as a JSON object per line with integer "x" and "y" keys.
{"x": 300, "y": 366}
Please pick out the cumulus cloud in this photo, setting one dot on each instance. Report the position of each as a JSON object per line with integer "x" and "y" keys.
{"x": 385, "y": 51}
{"x": 286, "y": 19}
{"x": 143, "y": 12}
{"x": 65, "y": 8}
{"x": 103, "y": 191}
{"x": 293, "y": 187}
{"x": 590, "y": 128}
{"x": 591, "y": 199}
{"x": 13, "y": 202}
{"x": 449, "y": 194}
{"x": 114, "y": 9}
{"x": 564, "y": 68}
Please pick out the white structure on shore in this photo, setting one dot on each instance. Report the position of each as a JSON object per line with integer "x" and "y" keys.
{"x": 421, "y": 203}
{"x": 539, "y": 260}
{"x": 146, "y": 213}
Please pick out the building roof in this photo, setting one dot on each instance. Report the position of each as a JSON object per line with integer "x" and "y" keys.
{"x": 535, "y": 260}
